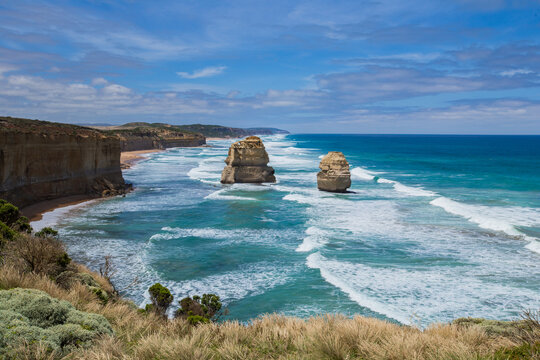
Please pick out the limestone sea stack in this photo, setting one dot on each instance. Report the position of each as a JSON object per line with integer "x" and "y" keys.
{"x": 247, "y": 162}
{"x": 334, "y": 175}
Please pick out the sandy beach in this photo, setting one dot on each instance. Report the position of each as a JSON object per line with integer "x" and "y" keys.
{"x": 130, "y": 158}
{"x": 35, "y": 212}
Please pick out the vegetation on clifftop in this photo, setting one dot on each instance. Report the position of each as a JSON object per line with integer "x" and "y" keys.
{"x": 61, "y": 310}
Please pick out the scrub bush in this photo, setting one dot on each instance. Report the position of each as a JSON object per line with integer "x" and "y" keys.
{"x": 42, "y": 255}
{"x": 161, "y": 298}
{"x": 199, "y": 310}
{"x": 6, "y": 233}
{"x": 9, "y": 213}
{"x": 47, "y": 232}
{"x": 12, "y": 218}
{"x": 30, "y": 316}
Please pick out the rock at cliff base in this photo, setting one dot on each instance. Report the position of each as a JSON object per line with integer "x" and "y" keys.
{"x": 247, "y": 162}
{"x": 334, "y": 175}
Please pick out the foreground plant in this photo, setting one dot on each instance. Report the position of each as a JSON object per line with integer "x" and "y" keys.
{"x": 32, "y": 317}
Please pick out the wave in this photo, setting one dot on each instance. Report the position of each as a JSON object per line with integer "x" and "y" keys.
{"x": 368, "y": 175}
{"x": 265, "y": 236}
{"x": 208, "y": 170}
{"x": 412, "y": 191}
{"x": 218, "y": 195}
{"x": 316, "y": 261}
{"x": 316, "y": 238}
{"x": 53, "y": 217}
{"x": 496, "y": 218}
{"x": 421, "y": 294}
{"x": 250, "y": 280}
{"x": 363, "y": 174}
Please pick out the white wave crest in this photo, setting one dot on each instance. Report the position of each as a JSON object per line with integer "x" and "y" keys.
{"x": 363, "y": 174}
{"x": 496, "y": 218}
{"x": 422, "y": 294}
{"x": 218, "y": 195}
{"x": 316, "y": 238}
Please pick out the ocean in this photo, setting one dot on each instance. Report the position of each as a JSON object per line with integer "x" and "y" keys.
{"x": 434, "y": 228}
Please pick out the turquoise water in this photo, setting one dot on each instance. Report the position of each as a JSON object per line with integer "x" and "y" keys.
{"x": 438, "y": 227}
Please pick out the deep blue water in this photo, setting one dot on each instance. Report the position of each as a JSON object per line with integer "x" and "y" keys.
{"x": 438, "y": 227}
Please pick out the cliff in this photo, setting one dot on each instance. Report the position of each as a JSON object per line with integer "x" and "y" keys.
{"x": 42, "y": 160}
{"x": 144, "y": 136}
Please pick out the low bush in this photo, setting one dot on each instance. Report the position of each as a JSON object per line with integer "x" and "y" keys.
{"x": 47, "y": 232}
{"x": 30, "y": 316}
{"x": 12, "y": 218}
{"x": 199, "y": 309}
{"x": 43, "y": 255}
{"x": 161, "y": 298}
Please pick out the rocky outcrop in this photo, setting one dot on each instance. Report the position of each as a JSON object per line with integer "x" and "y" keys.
{"x": 334, "y": 175}
{"x": 41, "y": 160}
{"x": 247, "y": 162}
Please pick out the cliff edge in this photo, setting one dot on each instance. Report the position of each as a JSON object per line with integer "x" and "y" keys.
{"x": 42, "y": 160}
{"x": 145, "y": 136}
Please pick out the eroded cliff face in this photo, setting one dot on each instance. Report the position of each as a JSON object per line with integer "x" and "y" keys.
{"x": 247, "y": 162}
{"x": 144, "y": 136}
{"x": 41, "y": 161}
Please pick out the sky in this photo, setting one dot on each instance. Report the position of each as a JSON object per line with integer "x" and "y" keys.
{"x": 420, "y": 67}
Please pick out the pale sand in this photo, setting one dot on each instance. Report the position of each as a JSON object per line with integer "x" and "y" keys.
{"x": 129, "y": 158}
{"x": 35, "y": 212}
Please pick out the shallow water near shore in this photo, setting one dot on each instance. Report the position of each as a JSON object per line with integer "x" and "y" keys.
{"x": 437, "y": 227}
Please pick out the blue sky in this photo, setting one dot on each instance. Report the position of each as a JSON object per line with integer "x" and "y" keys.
{"x": 447, "y": 67}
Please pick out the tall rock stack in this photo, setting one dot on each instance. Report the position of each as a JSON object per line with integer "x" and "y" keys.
{"x": 334, "y": 175}
{"x": 247, "y": 162}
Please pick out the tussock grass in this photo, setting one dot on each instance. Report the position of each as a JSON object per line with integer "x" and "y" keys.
{"x": 148, "y": 336}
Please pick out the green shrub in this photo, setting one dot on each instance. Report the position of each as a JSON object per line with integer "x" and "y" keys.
{"x": 6, "y": 233}
{"x": 208, "y": 307}
{"x": 161, "y": 298}
{"x": 9, "y": 213}
{"x": 29, "y": 316}
{"x": 197, "y": 319}
{"x": 63, "y": 260}
{"x": 47, "y": 232}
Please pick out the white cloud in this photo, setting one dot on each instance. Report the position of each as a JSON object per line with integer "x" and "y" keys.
{"x": 201, "y": 73}
{"x": 99, "y": 81}
{"x": 516, "y": 72}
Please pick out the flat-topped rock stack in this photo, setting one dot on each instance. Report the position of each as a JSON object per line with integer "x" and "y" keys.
{"x": 334, "y": 175}
{"x": 247, "y": 162}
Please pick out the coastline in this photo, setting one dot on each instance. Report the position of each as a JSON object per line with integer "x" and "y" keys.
{"x": 130, "y": 158}
{"x": 36, "y": 211}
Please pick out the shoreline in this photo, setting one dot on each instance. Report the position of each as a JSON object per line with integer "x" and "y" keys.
{"x": 35, "y": 212}
{"x": 130, "y": 158}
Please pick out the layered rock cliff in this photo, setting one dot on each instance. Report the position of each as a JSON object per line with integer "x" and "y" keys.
{"x": 334, "y": 175}
{"x": 247, "y": 162}
{"x": 41, "y": 160}
{"x": 144, "y": 136}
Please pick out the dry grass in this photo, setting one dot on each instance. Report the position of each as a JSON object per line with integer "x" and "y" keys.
{"x": 139, "y": 336}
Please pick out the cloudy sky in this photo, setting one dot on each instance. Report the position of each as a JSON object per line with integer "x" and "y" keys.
{"x": 437, "y": 66}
